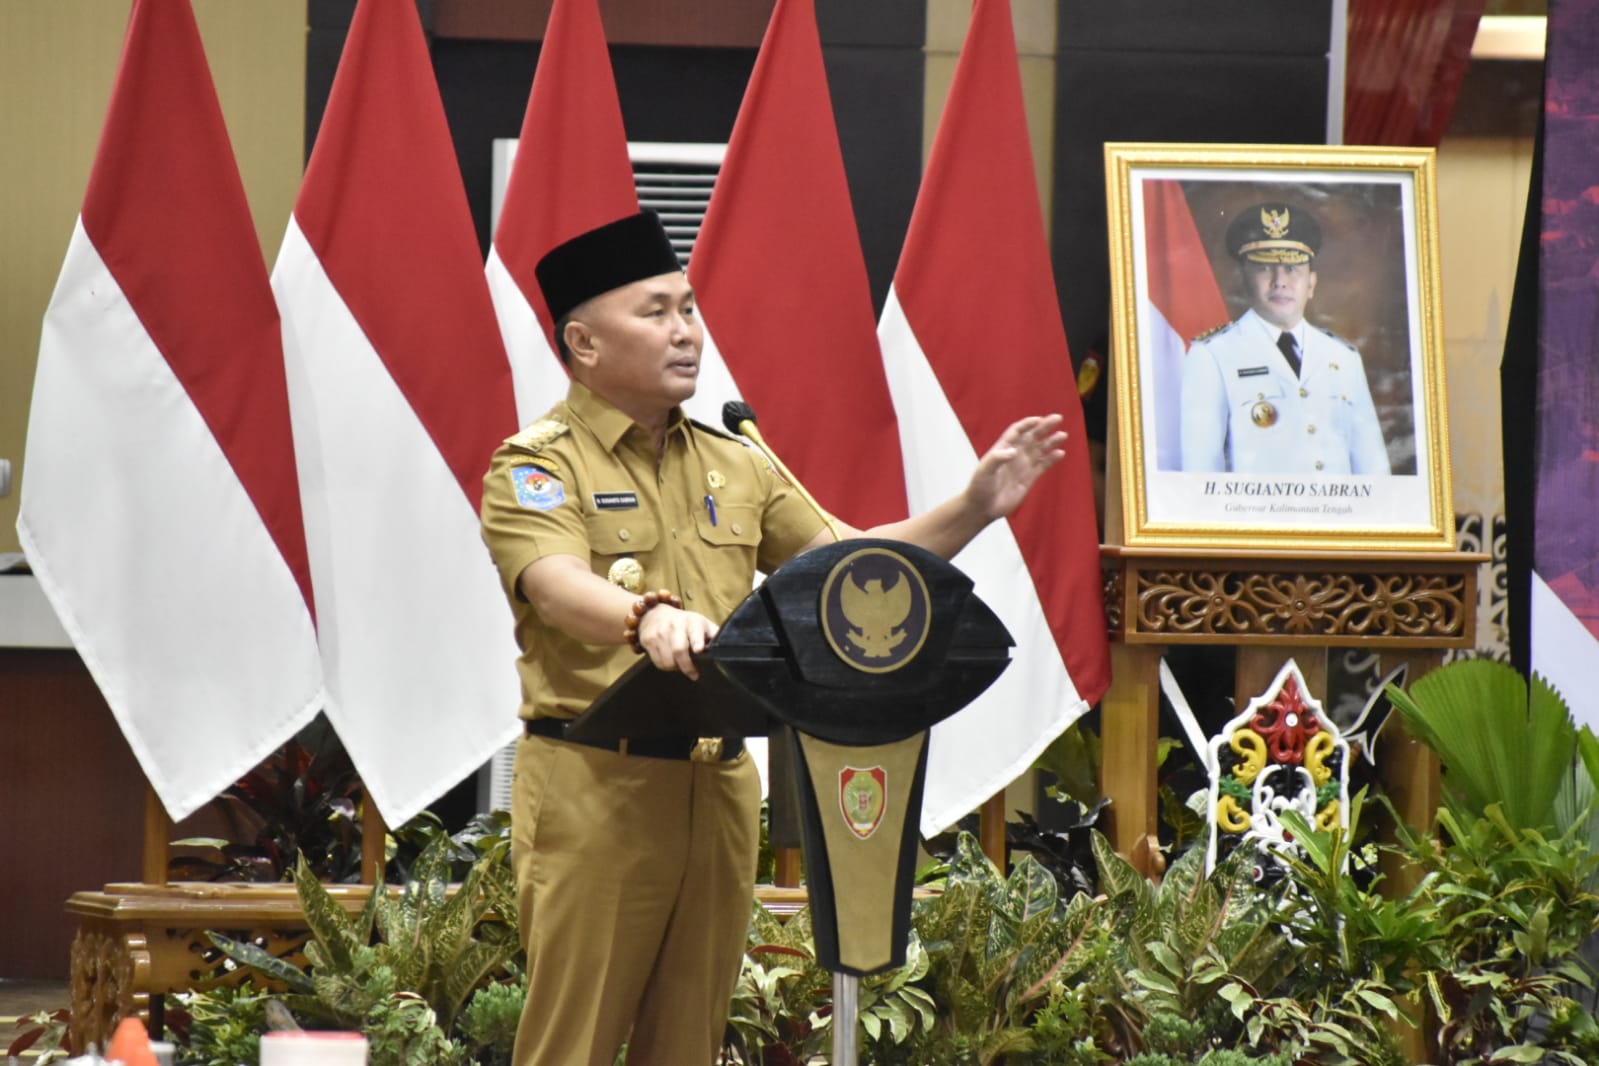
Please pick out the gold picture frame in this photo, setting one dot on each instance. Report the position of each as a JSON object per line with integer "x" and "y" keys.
{"x": 1335, "y": 439}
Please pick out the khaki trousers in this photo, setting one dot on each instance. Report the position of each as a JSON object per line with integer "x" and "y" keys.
{"x": 635, "y": 879}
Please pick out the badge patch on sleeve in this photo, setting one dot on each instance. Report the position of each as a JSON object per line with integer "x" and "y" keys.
{"x": 535, "y": 488}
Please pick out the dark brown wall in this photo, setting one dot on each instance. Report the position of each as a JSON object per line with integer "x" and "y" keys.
{"x": 673, "y": 23}
{"x": 71, "y": 805}
{"x": 681, "y": 71}
{"x": 1229, "y": 71}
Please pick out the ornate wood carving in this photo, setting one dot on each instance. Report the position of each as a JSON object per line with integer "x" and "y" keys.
{"x": 101, "y": 985}
{"x": 1427, "y": 602}
{"x": 1113, "y": 597}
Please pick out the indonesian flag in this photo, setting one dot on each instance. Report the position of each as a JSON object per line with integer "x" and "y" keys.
{"x": 161, "y": 511}
{"x": 571, "y": 174}
{"x": 972, "y": 340}
{"x": 1184, "y": 301}
{"x": 400, "y": 392}
{"x": 782, "y": 284}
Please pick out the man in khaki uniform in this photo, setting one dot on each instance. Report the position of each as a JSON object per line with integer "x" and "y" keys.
{"x": 636, "y": 863}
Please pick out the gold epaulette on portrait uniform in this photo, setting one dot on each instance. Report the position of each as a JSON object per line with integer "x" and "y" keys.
{"x": 535, "y": 437}
{"x": 1209, "y": 333}
{"x": 714, "y": 431}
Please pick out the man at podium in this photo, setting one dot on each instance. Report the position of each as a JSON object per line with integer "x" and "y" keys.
{"x": 622, "y": 528}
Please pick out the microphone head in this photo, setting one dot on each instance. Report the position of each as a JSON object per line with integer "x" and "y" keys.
{"x": 735, "y": 413}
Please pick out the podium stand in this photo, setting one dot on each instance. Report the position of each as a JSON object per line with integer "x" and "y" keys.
{"x": 846, "y": 657}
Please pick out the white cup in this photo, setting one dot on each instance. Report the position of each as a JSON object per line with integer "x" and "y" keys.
{"x": 312, "y": 1048}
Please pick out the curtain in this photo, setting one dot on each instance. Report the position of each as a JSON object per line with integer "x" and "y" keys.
{"x": 1407, "y": 61}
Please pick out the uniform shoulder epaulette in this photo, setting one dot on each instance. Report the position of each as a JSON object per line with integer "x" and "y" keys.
{"x": 1213, "y": 331}
{"x": 539, "y": 434}
{"x": 1346, "y": 343}
{"x": 715, "y": 431}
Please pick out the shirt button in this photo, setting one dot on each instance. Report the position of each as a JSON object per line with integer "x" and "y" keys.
{"x": 1319, "y": 464}
{"x": 1304, "y": 392}
{"x": 623, "y": 534}
{"x": 1308, "y": 429}
{"x": 738, "y": 529}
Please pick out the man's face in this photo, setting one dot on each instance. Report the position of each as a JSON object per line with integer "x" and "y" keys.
{"x": 643, "y": 344}
{"x": 1279, "y": 291}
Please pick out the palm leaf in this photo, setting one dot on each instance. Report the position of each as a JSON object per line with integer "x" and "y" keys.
{"x": 1497, "y": 744}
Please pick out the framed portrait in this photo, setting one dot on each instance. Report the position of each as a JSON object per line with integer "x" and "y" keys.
{"x": 1277, "y": 347}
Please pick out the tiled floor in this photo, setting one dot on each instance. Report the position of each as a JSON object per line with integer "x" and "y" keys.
{"x": 18, "y": 999}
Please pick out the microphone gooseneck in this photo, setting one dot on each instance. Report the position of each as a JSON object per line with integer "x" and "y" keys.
{"x": 739, "y": 418}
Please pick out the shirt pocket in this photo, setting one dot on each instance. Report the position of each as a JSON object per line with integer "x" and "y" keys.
{"x": 727, "y": 552}
{"x": 613, "y": 534}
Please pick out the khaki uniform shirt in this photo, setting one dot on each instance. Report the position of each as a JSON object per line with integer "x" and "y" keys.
{"x": 584, "y": 481}
{"x": 1245, "y": 410}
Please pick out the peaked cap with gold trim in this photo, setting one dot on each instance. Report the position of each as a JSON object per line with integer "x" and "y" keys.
{"x": 1274, "y": 233}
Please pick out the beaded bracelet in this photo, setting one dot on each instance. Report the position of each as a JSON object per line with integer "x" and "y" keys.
{"x": 640, "y": 608}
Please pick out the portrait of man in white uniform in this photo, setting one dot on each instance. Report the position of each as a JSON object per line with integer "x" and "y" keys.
{"x": 1270, "y": 392}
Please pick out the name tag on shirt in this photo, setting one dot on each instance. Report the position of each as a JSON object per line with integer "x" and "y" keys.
{"x": 616, "y": 501}
{"x": 1253, "y": 371}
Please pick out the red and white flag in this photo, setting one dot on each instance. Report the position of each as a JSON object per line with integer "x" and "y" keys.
{"x": 400, "y": 392}
{"x": 972, "y": 340}
{"x": 1184, "y": 301}
{"x": 570, "y": 174}
{"x": 160, "y": 510}
{"x": 782, "y": 285}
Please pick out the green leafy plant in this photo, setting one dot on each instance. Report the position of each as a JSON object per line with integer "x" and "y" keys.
{"x": 425, "y": 941}
{"x": 402, "y": 1030}
{"x": 997, "y": 946}
{"x": 490, "y": 1019}
{"x": 1516, "y": 911}
{"x": 782, "y": 1008}
{"x": 1501, "y": 741}
{"x": 220, "y": 1026}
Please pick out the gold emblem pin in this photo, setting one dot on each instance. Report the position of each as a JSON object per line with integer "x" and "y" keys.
{"x": 1263, "y": 414}
{"x": 1275, "y": 223}
{"x": 628, "y": 573}
{"x": 715, "y": 479}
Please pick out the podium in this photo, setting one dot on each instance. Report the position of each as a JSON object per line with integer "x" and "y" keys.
{"x": 846, "y": 656}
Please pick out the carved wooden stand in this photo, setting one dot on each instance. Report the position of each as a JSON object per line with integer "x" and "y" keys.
{"x": 1270, "y": 607}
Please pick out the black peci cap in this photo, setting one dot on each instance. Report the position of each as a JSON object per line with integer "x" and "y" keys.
{"x": 615, "y": 254}
{"x": 1274, "y": 233}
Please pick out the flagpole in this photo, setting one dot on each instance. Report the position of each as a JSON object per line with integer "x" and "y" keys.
{"x": 157, "y": 835}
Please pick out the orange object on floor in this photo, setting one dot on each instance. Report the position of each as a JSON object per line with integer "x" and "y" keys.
{"x": 131, "y": 1044}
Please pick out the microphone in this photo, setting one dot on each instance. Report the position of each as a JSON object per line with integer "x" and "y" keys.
{"x": 739, "y": 418}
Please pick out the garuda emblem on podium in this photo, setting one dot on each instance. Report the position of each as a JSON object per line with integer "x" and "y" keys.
{"x": 875, "y": 610}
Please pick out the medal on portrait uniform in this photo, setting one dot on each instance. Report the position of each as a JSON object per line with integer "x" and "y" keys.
{"x": 715, "y": 479}
{"x": 627, "y": 573}
{"x": 1263, "y": 414}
